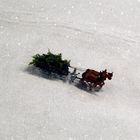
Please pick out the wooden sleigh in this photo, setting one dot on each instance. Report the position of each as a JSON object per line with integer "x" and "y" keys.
{"x": 53, "y": 64}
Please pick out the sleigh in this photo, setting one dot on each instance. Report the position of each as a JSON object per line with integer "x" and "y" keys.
{"x": 53, "y": 64}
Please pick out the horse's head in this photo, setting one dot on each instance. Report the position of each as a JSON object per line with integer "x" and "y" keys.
{"x": 106, "y": 74}
{"x": 109, "y": 76}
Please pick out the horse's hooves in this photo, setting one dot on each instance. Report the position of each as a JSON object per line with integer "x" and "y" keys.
{"x": 97, "y": 88}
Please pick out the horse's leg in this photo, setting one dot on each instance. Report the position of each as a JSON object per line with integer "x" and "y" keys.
{"x": 101, "y": 84}
{"x": 95, "y": 84}
{"x": 90, "y": 86}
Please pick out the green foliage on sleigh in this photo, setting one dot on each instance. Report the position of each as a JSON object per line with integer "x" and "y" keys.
{"x": 52, "y": 63}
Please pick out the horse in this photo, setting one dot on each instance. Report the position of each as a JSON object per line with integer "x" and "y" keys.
{"x": 94, "y": 78}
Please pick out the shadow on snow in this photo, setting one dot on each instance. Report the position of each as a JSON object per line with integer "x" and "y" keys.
{"x": 55, "y": 77}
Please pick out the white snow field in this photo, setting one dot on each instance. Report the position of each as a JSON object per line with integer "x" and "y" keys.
{"x": 95, "y": 34}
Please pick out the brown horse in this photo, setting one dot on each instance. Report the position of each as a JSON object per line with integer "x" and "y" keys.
{"x": 94, "y": 78}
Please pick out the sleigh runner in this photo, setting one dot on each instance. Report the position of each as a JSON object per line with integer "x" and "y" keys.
{"x": 54, "y": 64}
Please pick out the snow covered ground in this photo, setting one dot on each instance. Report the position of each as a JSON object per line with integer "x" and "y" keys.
{"x": 92, "y": 34}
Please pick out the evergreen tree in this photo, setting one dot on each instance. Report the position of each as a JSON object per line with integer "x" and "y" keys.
{"x": 51, "y": 63}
